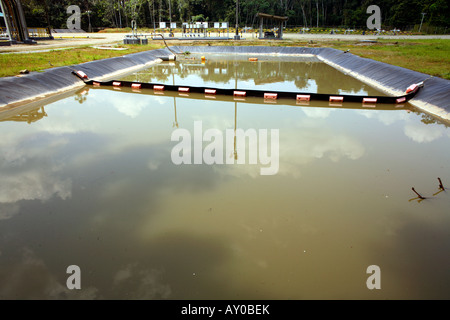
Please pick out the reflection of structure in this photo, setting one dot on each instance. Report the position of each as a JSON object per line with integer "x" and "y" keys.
{"x": 28, "y": 116}
{"x": 265, "y": 72}
{"x": 265, "y": 80}
{"x": 15, "y": 21}
{"x": 175, "y": 124}
{"x": 235, "y": 127}
{"x": 302, "y": 74}
{"x": 235, "y": 112}
{"x": 269, "y": 34}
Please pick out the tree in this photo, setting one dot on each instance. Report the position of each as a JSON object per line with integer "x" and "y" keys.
{"x": 349, "y": 13}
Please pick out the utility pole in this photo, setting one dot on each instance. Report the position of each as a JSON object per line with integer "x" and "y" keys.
{"x": 236, "y": 37}
{"x": 170, "y": 19}
{"x": 89, "y": 17}
{"x": 423, "y": 15}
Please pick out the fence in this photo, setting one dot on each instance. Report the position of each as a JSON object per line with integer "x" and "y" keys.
{"x": 386, "y": 30}
{"x": 39, "y": 33}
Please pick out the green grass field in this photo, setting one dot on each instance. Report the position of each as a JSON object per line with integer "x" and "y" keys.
{"x": 430, "y": 56}
{"x": 12, "y": 63}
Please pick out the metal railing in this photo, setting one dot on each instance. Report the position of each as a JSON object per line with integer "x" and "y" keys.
{"x": 39, "y": 33}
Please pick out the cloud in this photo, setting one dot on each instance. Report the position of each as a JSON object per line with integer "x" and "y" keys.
{"x": 413, "y": 129}
{"x": 385, "y": 117}
{"x": 318, "y": 112}
{"x": 424, "y": 133}
{"x": 129, "y": 106}
{"x": 299, "y": 147}
{"x": 29, "y": 173}
{"x": 33, "y": 185}
{"x": 8, "y": 210}
{"x": 153, "y": 165}
{"x": 30, "y": 278}
{"x": 142, "y": 283}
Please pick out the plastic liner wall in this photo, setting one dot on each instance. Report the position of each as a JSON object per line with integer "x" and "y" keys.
{"x": 35, "y": 85}
{"x": 433, "y": 98}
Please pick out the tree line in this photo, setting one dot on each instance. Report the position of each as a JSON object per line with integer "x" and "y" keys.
{"x": 303, "y": 13}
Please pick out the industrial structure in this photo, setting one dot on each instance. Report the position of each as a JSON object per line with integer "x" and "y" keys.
{"x": 278, "y": 26}
{"x": 15, "y": 23}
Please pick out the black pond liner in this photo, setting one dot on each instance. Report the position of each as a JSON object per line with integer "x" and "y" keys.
{"x": 257, "y": 93}
{"x": 18, "y": 89}
{"x": 433, "y": 98}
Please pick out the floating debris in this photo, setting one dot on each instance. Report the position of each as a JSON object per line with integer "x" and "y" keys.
{"x": 441, "y": 186}
{"x": 417, "y": 194}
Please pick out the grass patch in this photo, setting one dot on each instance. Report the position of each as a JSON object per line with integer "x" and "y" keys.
{"x": 428, "y": 56}
{"x": 12, "y": 63}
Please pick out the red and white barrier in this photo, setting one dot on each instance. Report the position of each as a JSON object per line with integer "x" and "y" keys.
{"x": 303, "y": 97}
{"x": 210, "y": 91}
{"x": 400, "y": 100}
{"x": 81, "y": 74}
{"x": 336, "y": 99}
{"x": 270, "y": 96}
{"x": 370, "y": 100}
{"x": 412, "y": 88}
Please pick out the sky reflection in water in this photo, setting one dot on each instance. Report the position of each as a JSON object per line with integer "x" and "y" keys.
{"x": 92, "y": 184}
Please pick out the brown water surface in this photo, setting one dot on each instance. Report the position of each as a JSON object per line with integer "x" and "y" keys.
{"x": 88, "y": 180}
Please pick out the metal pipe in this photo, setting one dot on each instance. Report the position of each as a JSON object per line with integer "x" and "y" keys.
{"x": 7, "y": 22}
